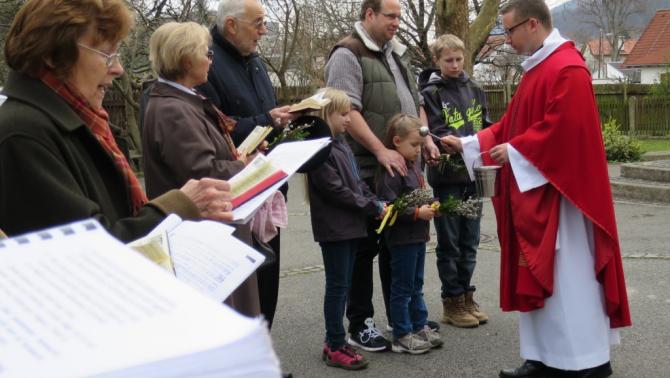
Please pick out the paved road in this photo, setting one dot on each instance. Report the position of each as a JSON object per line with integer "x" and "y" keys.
{"x": 298, "y": 330}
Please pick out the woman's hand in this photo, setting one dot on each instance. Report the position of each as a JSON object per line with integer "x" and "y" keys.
{"x": 212, "y": 197}
{"x": 246, "y": 158}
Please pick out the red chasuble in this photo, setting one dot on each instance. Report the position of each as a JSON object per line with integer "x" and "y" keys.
{"x": 553, "y": 122}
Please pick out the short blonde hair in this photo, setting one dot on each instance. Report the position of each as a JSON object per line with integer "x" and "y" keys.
{"x": 401, "y": 125}
{"x": 446, "y": 41}
{"x": 173, "y": 44}
{"x": 339, "y": 102}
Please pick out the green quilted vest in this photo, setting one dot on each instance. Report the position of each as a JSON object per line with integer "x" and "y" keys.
{"x": 379, "y": 99}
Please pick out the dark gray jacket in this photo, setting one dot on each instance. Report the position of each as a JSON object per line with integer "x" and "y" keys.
{"x": 240, "y": 87}
{"x": 340, "y": 202}
{"x": 53, "y": 170}
{"x": 406, "y": 230}
{"x": 454, "y": 106}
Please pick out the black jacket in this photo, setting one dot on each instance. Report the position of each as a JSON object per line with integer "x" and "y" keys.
{"x": 406, "y": 229}
{"x": 240, "y": 87}
{"x": 340, "y": 202}
{"x": 455, "y": 106}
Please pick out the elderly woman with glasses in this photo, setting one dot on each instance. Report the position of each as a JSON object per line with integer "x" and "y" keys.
{"x": 58, "y": 159}
{"x": 185, "y": 136}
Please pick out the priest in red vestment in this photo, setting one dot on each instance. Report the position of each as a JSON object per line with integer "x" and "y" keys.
{"x": 560, "y": 259}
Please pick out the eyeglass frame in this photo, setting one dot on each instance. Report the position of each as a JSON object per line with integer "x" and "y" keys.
{"x": 258, "y": 25}
{"x": 509, "y": 31}
{"x": 110, "y": 58}
{"x": 391, "y": 16}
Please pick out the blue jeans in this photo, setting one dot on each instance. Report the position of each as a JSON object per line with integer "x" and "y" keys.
{"x": 457, "y": 242}
{"x": 408, "y": 310}
{"x": 338, "y": 261}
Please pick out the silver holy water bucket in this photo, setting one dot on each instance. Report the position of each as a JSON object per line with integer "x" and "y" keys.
{"x": 485, "y": 180}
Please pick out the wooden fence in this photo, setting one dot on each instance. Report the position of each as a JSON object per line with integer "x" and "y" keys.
{"x": 635, "y": 111}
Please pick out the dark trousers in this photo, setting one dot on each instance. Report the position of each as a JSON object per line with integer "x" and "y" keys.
{"x": 457, "y": 242}
{"x": 407, "y": 305}
{"x": 268, "y": 283}
{"x": 338, "y": 261}
{"x": 359, "y": 305}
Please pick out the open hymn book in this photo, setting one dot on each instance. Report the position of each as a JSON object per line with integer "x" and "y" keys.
{"x": 258, "y": 180}
{"x": 254, "y": 139}
{"x": 76, "y": 302}
{"x": 205, "y": 255}
{"x": 315, "y": 102}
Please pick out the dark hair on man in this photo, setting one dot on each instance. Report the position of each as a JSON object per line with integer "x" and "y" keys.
{"x": 375, "y": 5}
{"x": 525, "y": 9}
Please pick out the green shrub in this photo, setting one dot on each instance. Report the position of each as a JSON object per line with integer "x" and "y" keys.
{"x": 619, "y": 147}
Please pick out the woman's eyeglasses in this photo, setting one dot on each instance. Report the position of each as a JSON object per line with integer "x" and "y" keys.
{"x": 109, "y": 58}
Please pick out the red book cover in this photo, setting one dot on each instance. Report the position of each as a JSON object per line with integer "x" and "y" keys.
{"x": 258, "y": 188}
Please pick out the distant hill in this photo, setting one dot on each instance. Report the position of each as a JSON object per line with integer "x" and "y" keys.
{"x": 567, "y": 20}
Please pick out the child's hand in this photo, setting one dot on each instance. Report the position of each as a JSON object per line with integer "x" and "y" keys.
{"x": 384, "y": 210}
{"x": 436, "y": 206}
{"x": 426, "y": 212}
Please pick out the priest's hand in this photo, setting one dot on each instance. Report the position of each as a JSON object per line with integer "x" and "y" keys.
{"x": 499, "y": 154}
{"x": 451, "y": 144}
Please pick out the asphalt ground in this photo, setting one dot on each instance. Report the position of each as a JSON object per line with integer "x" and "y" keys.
{"x": 298, "y": 331}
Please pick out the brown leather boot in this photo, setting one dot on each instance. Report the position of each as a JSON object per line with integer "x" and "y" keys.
{"x": 456, "y": 314}
{"x": 473, "y": 308}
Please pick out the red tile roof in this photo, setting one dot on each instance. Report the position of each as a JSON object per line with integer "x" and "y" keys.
{"x": 594, "y": 47}
{"x": 653, "y": 47}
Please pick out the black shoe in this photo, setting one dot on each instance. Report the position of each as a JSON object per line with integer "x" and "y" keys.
{"x": 369, "y": 338}
{"x": 435, "y": 326}
{"x": 602, "y": 371}
{"x": 530, "y": 368}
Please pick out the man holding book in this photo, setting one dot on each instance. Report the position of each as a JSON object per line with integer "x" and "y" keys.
{"x": 239, "y": 85}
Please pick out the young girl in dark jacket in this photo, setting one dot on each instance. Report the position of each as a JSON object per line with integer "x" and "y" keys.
{"x": 406, "y": 240}
{"x": 340, "y": 203}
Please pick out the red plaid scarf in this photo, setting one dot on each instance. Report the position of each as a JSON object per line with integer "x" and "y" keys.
{"x": 225, "y": 123}
{"x": 97, "y": 122}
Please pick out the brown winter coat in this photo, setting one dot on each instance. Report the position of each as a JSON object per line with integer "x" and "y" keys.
{"x": 181, "y": 141}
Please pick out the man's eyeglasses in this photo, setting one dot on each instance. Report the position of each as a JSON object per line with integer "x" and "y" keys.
{"x": 391, "y": 16}
{"x": 210, "y": 55}
{"x": 257, "y": 24}
{"x": 109, "y": 58}
{"x": 508, "y": 32}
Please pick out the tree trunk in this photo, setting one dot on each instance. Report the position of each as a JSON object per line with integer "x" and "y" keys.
{"x": 452, "y": 16}
{"x": 131, "y": 110}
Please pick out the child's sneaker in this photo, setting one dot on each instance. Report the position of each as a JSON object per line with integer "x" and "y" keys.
{"x": 410, "y": 343}
{"x": 369, "y": 338}
{"x": 346, "y": 358}
{"x": 431, "y": 336}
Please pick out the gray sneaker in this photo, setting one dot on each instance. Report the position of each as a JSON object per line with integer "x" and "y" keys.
{"x": 410, "y": 343}
{"x": 431, "y": 336}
